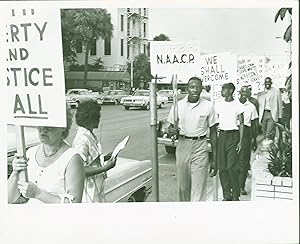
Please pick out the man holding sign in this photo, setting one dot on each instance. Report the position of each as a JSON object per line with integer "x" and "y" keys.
{"x": 196, "y": 117}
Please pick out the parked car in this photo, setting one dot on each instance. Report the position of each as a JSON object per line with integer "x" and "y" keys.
{"x": 166, "y": 93}
{"x": 141, "y": 99}
{"x": 170, "y": 143}
{"x": 113, "y": 96}
{"x": 129, "y": 181}
{"x": 76, "y": 96}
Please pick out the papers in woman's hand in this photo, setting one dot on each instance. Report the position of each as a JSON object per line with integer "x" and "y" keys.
{"x": 119, "y": 147}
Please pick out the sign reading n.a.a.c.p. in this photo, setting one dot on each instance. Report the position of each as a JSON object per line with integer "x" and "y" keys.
{"x": 174, "y": 57}
{"x": 34, "y": 67}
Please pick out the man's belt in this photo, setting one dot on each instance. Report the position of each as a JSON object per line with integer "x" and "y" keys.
{"x": 193, "y": 137}
{"x": 267, "y": 110}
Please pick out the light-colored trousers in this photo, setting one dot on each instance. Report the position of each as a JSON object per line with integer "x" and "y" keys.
{"x": 192, "y": 169}
{"x": 268, "y": 126}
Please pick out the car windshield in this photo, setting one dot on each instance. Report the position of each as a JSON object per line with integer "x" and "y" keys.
{"x": 161, "y": 92}
{"x": 141, "y": 93}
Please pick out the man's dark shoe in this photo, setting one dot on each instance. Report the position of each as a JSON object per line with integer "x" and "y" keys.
{"x": 243, "y": 191}
{"x": 227, "y": 199}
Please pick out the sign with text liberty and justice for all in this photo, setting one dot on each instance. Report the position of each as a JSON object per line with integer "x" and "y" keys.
{"x": 34, "y": 67}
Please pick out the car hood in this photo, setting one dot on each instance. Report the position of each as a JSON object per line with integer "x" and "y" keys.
{"x": 125, "y": 170}
{"x": 31, "y": 137}
{"x": 136, "y": 97}
{"x": 108, "y": 96}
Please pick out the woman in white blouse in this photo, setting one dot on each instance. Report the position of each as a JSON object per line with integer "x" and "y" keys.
{"x": 88, "y": 146}
{"x": 55, "y": 170}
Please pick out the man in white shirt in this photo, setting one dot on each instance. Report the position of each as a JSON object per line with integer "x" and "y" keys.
{"x": 270, "y": 109}
{"x": 196, "y": 118}
{"x": 231, "y": 125}
{"x": 249, "y": 136}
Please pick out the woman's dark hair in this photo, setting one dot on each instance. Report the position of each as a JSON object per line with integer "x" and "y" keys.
{"x": 86, "y": 112}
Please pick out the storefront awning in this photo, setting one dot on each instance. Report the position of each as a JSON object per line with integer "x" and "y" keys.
{"x": 99, "y": 76}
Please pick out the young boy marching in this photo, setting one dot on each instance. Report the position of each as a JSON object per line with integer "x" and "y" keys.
{"x": 230, "y": 111}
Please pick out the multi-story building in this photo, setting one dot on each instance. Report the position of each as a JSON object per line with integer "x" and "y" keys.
{"x": 130, "y": 38}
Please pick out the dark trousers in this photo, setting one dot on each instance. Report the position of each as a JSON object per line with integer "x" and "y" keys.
{"x": 245, "y": 155}
{"x": 228, "y": 160}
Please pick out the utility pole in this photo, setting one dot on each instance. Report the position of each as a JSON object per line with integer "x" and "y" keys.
{"x": 153, "y": 126}
{"x": 131, "y": 72}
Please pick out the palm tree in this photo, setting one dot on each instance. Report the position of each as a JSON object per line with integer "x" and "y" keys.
{"x": 288, "y": 32}
{"x": 85, "y": 26}
{"x": 288, "y": 38}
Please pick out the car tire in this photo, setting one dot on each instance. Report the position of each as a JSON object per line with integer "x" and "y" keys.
{"x": 116, "y": 102}
{"x": 170, "y": 150}
{"x": 147, "y": 106}
{"x": 160, "y": 105}
{"x": 126, "y": 108}
{"x": 138, "y": 196}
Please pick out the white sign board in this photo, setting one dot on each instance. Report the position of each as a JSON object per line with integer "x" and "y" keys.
{"x": 174, "y": 57}
{"x": 34, "y": 67}
{"x": 218, "y": 68}
{"x": 277, "y": 70}
{"x": 251, "y": 72}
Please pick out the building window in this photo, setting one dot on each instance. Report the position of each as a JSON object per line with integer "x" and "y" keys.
{"x": 93, "y": 47}
{"x": 128, "y": 10}
{"x": 139, "y": 48}
{"x": 78, "y": 46}
{"x": 145, "y": 12}
{"x": 145, "y": 26}
{"x": 122, "y": 47}
{"x": 107, "y": 46}
{"x": 145, "y": 49}
{"x": 140, "y": 11}
{"x": 128, "y": 27}
{"x": 122, "y": 22}
{"x": 128, "y": 49}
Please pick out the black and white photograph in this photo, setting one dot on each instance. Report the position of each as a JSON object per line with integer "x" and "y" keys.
{"x": 155, "y": 115}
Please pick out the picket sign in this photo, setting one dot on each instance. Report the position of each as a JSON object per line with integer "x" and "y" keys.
{"x": 34, "y": 69}
{"x": 251, "y": 69}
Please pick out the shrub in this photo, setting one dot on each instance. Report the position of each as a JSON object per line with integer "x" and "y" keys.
{"x": 280, "y": 154}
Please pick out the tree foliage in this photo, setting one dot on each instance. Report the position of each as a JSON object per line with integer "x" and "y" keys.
{"x": 287, "y": 36}
{"x": 141, "y": 70}
{"x": 288, "y": 32}
{"x": 161, "y": 37}
{"x": 84, "y": 26}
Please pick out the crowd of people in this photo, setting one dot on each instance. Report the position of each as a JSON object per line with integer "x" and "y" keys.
{"x": 232, "y": 125}
{"x": 61, "y": 173}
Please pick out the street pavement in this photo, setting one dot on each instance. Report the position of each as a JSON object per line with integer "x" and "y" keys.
{"x": 116, "y": 123}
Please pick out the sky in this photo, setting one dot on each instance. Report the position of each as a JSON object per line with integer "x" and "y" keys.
{"x": 242, "y": 31}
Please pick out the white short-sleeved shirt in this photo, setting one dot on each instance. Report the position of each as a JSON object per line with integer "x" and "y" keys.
{"x": 194, "y": 119}
{"x": 87, "y": 145}
{"x": 250, "y": 113}
{"x": 89, "y": 149}
{"x": 228, "y": 113}
{"x": 51, "y": 178}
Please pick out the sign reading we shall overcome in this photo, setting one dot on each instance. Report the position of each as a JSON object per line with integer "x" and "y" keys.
{"x": 168, "y": 58}
{"x": 218, "y": 68}
{"x": 34, "y": 64}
